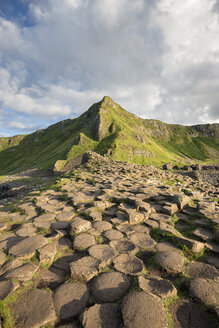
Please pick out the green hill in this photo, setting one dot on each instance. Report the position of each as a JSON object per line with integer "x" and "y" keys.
{"x": 109, "y": 130}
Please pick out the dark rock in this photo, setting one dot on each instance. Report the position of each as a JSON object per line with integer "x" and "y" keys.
{"x": 113, "y": 234}
{"x": 201, "y": 270}
{"x": 28, "y": 246}
{"x": 69, "y": 299}
{"x": 85, "y": 268}
{"x": 186, "y": 314}
{"x": 155, "y": 285}
{"x": 171, "y": 261}
{"x": 142, "y": 240}
{"x": 34, "y": 308}
{"x": 102, "y": 316}
{"x": 22, "y": 273}
{"x": 141, "y": 309}
{"x": 206, "y": 290}
{"x": 109, "y": 287}
{"x": 128, "y": 264}
{"x": 83, "y": 241}
{"x": 7, "y": 287}
{"x": 167, "y": 167}
{"x": 103, "y": 253}
{"x": 123, "y": 246}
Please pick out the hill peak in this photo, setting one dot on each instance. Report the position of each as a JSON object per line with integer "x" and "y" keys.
{"x": 108, "y": 101}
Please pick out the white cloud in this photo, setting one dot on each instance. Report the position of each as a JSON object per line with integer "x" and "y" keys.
{"x": 159, "y": 59}
{"x": 3, "y": 134}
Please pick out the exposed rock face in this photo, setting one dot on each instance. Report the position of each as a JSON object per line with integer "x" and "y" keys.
{"x": 137, "y": 315}
{"x": 70, "y": 299}
{"x": 66, "y": 269}
{"x": 34, "y": 308}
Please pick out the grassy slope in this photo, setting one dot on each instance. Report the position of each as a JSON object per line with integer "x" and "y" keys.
{"x": 107, "y": 129}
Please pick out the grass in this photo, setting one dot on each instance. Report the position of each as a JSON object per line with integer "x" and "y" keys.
{"x": 99, "y": 239}
{"x": 191, "y": 256}
{"x": 118, "y": 134}
{"x": 6, "y": 316}
{"x": 167, "y": 303}
{"x": 5, "y": 312}
{"x": 64, "y": 197}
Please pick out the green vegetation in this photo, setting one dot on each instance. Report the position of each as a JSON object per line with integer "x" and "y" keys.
{"x": 109, "y": 130}
{"x": 167, "y": 303}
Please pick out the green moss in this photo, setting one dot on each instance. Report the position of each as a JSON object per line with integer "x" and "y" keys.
{"x": 194, "y": 256}
{"x": 6, "y": 316}
{"x": 167, "y": 303}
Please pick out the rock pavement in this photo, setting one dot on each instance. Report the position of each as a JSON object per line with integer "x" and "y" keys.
{"x": 111, "y": 244}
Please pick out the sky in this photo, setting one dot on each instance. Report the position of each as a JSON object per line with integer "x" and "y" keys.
{"x": 157, "y": 58}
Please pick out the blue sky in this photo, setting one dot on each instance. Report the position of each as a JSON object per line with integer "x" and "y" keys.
{"x": 157, "y": 58}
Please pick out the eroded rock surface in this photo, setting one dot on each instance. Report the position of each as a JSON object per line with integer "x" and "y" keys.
{"x": 108, "y": 246}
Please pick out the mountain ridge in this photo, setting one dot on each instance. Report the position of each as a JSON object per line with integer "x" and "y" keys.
{"x": 110, "y": 130}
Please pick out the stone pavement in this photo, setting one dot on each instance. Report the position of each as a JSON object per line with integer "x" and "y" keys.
{"x": 111, "y": 244}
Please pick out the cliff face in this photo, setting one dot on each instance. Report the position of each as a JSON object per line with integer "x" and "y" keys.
{"x": 208, "y": 130}
{"x": 109, "y": 130}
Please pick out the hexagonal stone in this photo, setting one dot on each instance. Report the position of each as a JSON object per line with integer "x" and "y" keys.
{"x": 42, "y": 224}
{"x": 142, "y": 240}
{"x": 10, "y": 265}
{"x": 181, "y": 200}
{"x": 6, "y": 288}
{"x": 102, "y": 226}
{"x": 187, "y": 314}
{"x": 213, "y": 260}
{"x": 80, "y": 225}
{"x": 63, "y": 225}
{"x": 156, "y": 285}
{"x": 125, "y": 228}
{"x": 135, "y": 216}
{"x": 207, "y": 291}
{"x": 26, "y": 231}
{"x": 140, "y": 310}
{"x": 160, "y": 217}
{"x": 203, "y": 233}
{"x": 171, "y": 261}
{"x": 102, "y": 315}
{"x": 122, "y": 246}
{"x": 214, "y": 247}
{"x": 69, "y": 299}
{"x": 65, "y": 216}
{"x": 128, "y": 264}
{"x": 85, "y": 268}
{"x": 141, "y": 228}
{"x": 2, "y": 257}
{"x": 48, "y": 279}
{"x": 109, "y": 287}
{"x": 34, "y": 308}
{"x": 201, "y": 270}
{"x": 47, "y": 253}
{"x": 84, "y": 240}
{"x": 22, "y": 273}
{"x": 167, "y": 247}
{"x": 113, "y": 234}
{"x": 28, "y": 246}
{"x": 45, "y": 218}
{"x": 104, "y": 253}
{"x": 9, "y": 240}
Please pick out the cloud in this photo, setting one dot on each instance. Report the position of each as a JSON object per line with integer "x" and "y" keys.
{"x": 158, "y": 59}
{"x": 3, "y": 134}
